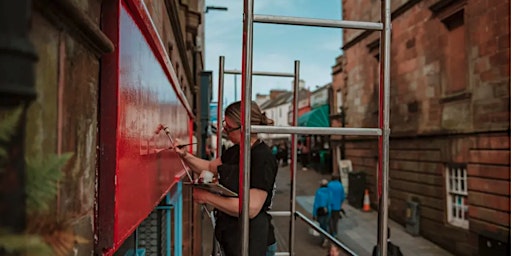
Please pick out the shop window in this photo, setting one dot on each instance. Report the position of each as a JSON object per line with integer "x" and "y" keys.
{"x": 457, "y": 195}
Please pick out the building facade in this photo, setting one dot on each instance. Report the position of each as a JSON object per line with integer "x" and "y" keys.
{"x": 450, "y": 116}
{"x": 85, "y": 52}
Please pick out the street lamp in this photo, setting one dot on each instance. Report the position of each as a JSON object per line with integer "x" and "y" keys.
{"x": 235, "y": 86}
{"x": 215, "y": 8}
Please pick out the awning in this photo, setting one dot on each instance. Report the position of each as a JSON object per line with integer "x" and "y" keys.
{"x": 318, "y": 117}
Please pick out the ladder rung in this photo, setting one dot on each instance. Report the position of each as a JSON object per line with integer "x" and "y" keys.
{"x": 282, "y": 253}
{"x": 260, "y": 73}
{"x": 280, "y": 213}
{"x": 324, "y": 233}
{"x": 315, "y": 130}
{"x": 286, "y": 20}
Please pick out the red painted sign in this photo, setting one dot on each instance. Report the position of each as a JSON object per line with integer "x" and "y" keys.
{"x": 139, "y": 91}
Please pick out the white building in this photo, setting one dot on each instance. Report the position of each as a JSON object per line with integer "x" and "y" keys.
{"x": 276, "y": 108}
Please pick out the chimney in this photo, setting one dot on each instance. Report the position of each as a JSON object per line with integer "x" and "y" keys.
{"x": 275, "y": 93}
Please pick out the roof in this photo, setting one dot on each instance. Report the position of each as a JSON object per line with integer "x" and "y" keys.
{"x": 284, "y": 98}
{"x": 279, "y": 100}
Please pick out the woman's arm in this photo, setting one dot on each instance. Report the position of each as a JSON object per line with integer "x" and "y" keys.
{"x": 229, "y": 205}
{"x": 195, "y": 163}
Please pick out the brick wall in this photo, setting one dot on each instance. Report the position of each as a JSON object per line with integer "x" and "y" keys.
{"x": 450, "y": 103}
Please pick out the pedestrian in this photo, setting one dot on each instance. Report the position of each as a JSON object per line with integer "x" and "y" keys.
{"x": 210, "y": 152}
{"x": 393, "y": 250}
{"x": 262, "y": 178}
{"x": 333, "y": 250}
{"x": 322, "y": 207}
{"x": 338, "y": 197}
{"x": 305, "y": 157}
{"x": 284, "y": 156}
{"x": 275, "y": 152}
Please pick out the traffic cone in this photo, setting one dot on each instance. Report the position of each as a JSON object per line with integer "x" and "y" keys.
{"x": 366, "y": 201}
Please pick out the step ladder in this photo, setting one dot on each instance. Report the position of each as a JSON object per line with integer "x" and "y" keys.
{"x": 382, "y": 131}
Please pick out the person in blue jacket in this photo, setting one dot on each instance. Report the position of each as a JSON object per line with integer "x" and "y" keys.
{"x": 322, "y": 206}
{"x": 338, "y": 196}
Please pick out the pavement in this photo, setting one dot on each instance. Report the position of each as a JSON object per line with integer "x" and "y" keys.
{"x": 357, "y": 230}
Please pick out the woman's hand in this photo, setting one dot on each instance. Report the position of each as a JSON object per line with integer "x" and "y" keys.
{"x": 200, "y": 196}
{"x": 182, "y": 151}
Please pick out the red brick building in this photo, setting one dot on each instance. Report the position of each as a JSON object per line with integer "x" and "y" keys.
{"x": 450, "y": 115}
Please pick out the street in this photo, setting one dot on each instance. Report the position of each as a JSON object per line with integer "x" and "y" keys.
{"x": 357, "y": 230}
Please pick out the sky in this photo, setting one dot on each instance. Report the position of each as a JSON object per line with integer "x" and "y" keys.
{"x": 276, "y": 47}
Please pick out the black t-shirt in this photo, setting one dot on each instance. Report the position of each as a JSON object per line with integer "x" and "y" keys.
{"x": 263, "y": 176}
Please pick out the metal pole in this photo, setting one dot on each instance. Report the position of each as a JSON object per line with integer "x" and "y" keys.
{"x": 260, "y": 73}
{"x": 234, "y": 99}
{"x": 220, "y": 105}
{"x": 286, "y": 20}
{"x": 385, "y": 54}
{"x": 316, "y": 130}
{"x": 293, "y": 167}
{"x": 245, "y": 137}
{"x": 325, "y": 233}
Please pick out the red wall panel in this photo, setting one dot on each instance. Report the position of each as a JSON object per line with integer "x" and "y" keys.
{"x": 138, "y": 92}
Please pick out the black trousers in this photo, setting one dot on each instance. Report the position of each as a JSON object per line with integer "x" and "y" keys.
{"x": 333, "y": 223}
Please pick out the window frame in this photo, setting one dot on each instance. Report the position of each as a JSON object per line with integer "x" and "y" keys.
{"x": 460, "y": 182}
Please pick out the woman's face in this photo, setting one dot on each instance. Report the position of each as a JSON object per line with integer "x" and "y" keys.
{"x": 232, "y": 129}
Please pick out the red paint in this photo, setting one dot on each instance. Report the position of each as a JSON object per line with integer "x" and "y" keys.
{"x": 138, "y": 92}
{"x": 142, "y": 18}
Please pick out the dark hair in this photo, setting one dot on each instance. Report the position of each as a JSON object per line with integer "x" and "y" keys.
{"x": 257, "y": 117}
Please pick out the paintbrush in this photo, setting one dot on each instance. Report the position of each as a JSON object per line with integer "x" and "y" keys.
{"x": 184, "y": 145}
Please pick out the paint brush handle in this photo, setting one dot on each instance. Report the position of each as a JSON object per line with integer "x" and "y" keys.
{"x": 184, "y": 145}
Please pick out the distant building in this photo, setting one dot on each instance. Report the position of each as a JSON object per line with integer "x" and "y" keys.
{"x": 278, "y": 108}
{"x": 318, "y": 116}
{"x": 261, "y": 98}
{"x": 450, "y": 116}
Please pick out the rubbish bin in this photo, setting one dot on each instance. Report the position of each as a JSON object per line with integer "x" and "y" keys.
{"x": 412, "y": 218}
{"x": 357, "y": 185}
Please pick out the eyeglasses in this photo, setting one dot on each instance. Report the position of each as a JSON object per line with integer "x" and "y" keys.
{"x": 228, "y": 129}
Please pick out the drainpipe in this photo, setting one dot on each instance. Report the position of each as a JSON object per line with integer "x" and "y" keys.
{"x": 342, "y": 146}
{"x": 17, "y": 61}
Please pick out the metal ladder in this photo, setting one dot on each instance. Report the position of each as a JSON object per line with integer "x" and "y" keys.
{"x": 382, "y": 131}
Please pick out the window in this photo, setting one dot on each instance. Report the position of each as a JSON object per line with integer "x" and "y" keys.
{"x": 339, "y": 101}
{"x": 457, "y": 195}
{"x": 451, "y": 14}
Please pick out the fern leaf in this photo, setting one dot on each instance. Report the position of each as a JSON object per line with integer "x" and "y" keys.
{"x": 43, "y": 175}
{"x": 26, "y": 244}
{"x": 10, "y": 124}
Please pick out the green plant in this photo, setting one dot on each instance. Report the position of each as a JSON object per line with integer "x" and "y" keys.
{"x": 48, "y": 233}
{"x": 7, "y": 129}
{"x": 43, "y": 175}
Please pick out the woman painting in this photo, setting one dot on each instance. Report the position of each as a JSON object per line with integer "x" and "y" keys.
{"x": 262, "y": 178}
